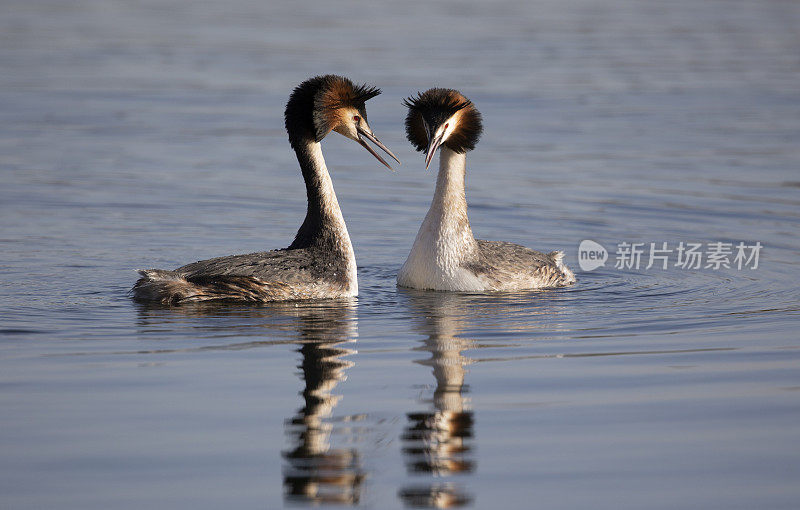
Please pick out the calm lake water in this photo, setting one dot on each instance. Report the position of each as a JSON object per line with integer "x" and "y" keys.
{"x": 139, "y": 134}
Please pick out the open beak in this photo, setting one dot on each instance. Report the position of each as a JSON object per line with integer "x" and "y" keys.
{"x": 369, "y": 136}
{"x": 433, "y": 144}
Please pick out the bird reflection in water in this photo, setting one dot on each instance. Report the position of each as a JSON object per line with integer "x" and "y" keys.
{"x": 438, "y": 441}
{"x": 314, "y": 472}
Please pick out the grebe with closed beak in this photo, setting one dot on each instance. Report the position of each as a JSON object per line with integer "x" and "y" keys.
{"x": 320, "y": 263}
{"x": 445, "y": 254}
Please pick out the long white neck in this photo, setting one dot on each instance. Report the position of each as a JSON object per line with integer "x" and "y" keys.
{"x": 447, "y": 216}
{"x": 444, "y": 241}
{"x": 323, "y": 199}
{"x": 324, "y": 225}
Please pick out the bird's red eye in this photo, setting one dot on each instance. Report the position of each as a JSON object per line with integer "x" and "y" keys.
{"x": 447, "y": 125}
{"x": 356, "y": 118}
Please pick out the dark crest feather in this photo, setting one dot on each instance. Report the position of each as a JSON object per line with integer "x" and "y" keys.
{"x": 437, "y": 98}
{"x": 311, "y": 109}
{"x": 435, "y": 106}
{"x": 357, "y": 95}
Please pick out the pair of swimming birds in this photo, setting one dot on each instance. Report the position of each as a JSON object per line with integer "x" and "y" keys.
{"x": 320, "y": 262}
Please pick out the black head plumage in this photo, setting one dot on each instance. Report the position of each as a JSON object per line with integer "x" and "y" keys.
{"x": 436, "y": 106}
{"x": 314, "y": 107}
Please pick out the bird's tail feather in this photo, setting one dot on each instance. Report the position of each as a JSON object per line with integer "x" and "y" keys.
{"x": 168, "y": 287}
{"x": 558, "y": 258}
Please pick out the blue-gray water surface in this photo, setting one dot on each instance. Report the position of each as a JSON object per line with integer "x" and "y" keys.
{"x": 137, "y": 134}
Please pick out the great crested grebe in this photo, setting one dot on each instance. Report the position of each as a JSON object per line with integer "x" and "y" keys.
{"x": 445, "y": 254}
{"x": 320, "y": 263}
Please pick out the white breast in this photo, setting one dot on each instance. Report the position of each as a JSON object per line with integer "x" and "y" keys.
{"x": 444, "y": 242}
{"x": 437, "y": 257}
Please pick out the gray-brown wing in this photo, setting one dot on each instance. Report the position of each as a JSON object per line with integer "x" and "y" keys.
{"x": 505, "y": 263}
{"x": 284, "y": 266}
{"x": 278, "y": 275}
